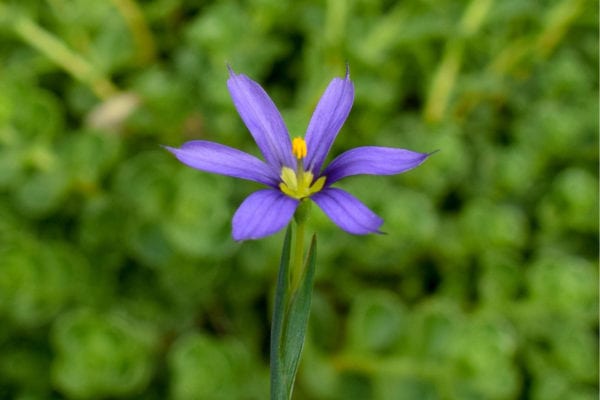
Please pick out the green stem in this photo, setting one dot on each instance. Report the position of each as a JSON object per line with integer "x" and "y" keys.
{"x": 292, "y": 306}
{"x": 298, "y": 261}
{"x": 278, "y": 385}
{"x": 298, "y": 265}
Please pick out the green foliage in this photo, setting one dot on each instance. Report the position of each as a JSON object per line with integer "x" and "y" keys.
{"x": 291, "y": 307}
{"x": 118, "y": 275}
{"x": 100, "y": 355}
{"x": 204, "y": 367}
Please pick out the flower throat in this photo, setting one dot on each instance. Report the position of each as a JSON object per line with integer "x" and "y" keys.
{"x": 299, "y": 184}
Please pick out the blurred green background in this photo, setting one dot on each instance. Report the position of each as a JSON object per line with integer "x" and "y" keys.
{"x": 118, "y": 275}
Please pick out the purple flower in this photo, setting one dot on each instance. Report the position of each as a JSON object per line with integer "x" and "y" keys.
{"x": 293, "y": 170}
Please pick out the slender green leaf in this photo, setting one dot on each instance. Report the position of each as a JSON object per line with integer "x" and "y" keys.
{"x": 277, "y": 378}
{"x": 297, "y": 319}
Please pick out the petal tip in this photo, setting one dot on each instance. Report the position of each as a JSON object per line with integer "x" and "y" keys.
{"x": 234, "y": 78}
{"x": 377, "y": 230}
{"x": 230, "y": 69}
{"x": 170, "y": 149}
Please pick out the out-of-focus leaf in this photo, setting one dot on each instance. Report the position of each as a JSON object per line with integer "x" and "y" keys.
{"x": 377, "y": 321}
{"x": 87, "y": 156}
{"x": 100, "y": 355}
{"x": 485, "y": 225}
{"x": 43, "y": 192}
{"x": 199, "y": 219}
{"x": 573, "y": 203}
{"x": 205, "y": 367}
{"x": 566, "y": 284}
{"x": 34, "y": 113}
{"x": 37, "y": 280}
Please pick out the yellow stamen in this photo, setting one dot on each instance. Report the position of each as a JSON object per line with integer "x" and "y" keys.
{"x": 299, "y": 186}
{"x": 289, "y": 178}
{"x": 299, "y": 148}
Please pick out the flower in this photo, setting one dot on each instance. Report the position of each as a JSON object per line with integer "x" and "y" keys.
{"x": 293, "y": 169}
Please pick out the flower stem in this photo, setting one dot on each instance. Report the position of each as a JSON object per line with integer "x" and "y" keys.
{"x": 297, "y": 270}
{"x": 292, "y": 306}
{"x": 297, "y": 265}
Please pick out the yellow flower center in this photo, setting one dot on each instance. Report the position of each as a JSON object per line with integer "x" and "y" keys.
{"x": 299, "y": 184}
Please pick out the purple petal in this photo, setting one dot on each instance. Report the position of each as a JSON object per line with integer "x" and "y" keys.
{"x": 347, "y": 211}
{"x": 263, "y": 213}
{"x": 224, "y": 160}
{"x": 371, "y": 160}
{"x": 263, "y": 120}
{"x": 327, "y": 120}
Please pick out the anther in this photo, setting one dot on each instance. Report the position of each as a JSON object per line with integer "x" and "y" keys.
{"x": 299, "y": 148}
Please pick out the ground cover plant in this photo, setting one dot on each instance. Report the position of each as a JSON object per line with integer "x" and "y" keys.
{"x": 119, "y": 278}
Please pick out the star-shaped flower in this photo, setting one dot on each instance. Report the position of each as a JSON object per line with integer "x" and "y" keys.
{"x": 293, "y": 169}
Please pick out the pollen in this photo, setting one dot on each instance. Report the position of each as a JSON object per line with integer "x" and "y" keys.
{"x": 299, "y": 148}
